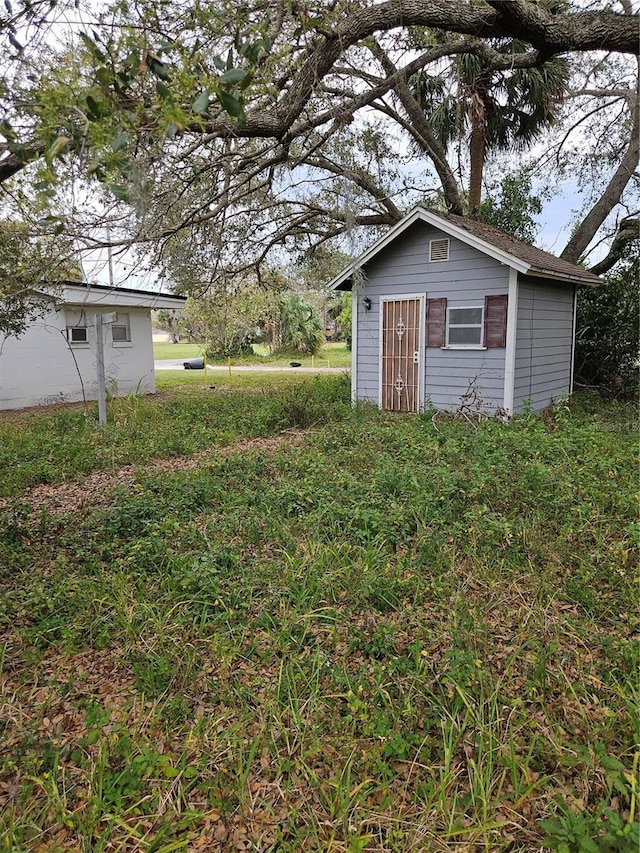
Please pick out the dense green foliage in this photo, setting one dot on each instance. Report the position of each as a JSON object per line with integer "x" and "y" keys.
{"x": 345, "y": 318}
{"x": 608, "y": 330}
{"x": 511, "y": 206}
{"x": 225, "y": 320}
{"x": 27, "y": 268}
{"x": 388, "y": 634}
{"x": 300, "y": 328}
{"x": 491, "y": 110}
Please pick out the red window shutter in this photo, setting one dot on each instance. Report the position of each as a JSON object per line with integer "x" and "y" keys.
{"x": 495, "y": 321}
{"x": 436, "y": 322}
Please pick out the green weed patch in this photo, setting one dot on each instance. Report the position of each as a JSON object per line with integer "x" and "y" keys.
{"x": 393, "y": 634}
{"x": 66, "y": 443}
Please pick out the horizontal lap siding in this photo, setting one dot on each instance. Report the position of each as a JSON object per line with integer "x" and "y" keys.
{"x": 454, "y": 373}
{"x": 465, "y": 279}
{"x": 368, "y": 355}
{"x": 544, "y": 342}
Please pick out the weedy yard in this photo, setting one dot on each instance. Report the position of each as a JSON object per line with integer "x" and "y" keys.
{"x": 266, "y": 621}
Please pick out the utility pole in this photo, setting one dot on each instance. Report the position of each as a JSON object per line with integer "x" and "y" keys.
{"x": 110, "y": 257}
{"x": 100, "y": 321}
{"x": 102, "y": 388}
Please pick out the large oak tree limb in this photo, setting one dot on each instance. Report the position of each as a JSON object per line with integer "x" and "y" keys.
{"x": 549, "y": 33}
{"x": 587, "y": 229}
{"x": 628, "y": 231}
{"x": 13, "y": 163}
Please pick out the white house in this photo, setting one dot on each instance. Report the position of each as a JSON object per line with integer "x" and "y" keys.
{"x": 55, "y": 359}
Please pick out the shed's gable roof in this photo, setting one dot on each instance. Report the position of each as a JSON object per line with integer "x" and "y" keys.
{"x": 490, "y": 241}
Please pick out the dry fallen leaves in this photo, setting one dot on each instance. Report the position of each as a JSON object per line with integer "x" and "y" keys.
{"x": 97, "y": 488}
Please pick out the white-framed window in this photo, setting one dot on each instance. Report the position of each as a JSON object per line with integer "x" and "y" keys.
{"x": 464, "y": 326}
{"x": 77, "y": 334}
{"x": 121, "y": 329}
{"x": 439, "y": 249}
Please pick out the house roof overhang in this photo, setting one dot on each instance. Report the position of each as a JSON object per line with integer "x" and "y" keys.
{"x": 570, "y": 274}
{"x": 104, "y": 296}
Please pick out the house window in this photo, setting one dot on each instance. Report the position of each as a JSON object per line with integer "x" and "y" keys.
{"x": 77, "y": 334}
{"x": 439, "y": 249}
{"x": 464, "y": 327}
{"x": 121, "y": 330}
{"x": 477, "y": 327}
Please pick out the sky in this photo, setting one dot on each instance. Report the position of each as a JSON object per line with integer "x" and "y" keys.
{"x": 556, "y": 218}
{"x": 127, "y": 272}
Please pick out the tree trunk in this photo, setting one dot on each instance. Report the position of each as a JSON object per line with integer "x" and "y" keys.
{"x": 477, "y": 150}
{"x": 628, "y": 231}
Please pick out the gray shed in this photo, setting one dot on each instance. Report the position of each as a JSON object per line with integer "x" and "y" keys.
{"x": 449, "y": 310}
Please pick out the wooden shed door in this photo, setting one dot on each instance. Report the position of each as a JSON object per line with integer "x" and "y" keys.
{"x": 401, "y": 355}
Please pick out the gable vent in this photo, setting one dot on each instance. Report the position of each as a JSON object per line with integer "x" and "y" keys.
{"x": 439, "y": 250}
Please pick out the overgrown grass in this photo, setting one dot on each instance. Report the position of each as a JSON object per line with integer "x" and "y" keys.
{"x": 401, "y": 633}
{"x": 65, "y": 442}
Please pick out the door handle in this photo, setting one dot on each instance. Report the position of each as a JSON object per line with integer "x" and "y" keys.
{"x": 416, "y": 357}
